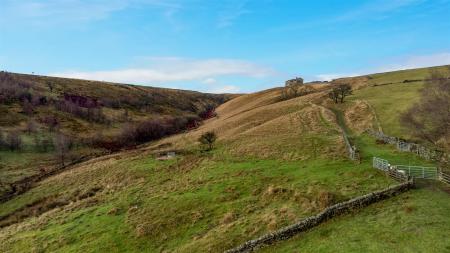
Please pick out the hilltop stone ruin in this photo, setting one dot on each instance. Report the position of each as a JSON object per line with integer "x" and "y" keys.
{"x": 295, "y": 81}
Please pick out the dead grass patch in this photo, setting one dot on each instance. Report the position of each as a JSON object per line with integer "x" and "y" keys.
{"x": 359, "y": 116}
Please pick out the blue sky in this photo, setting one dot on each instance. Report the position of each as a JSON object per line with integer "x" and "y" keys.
{"x": 221, "y": 46}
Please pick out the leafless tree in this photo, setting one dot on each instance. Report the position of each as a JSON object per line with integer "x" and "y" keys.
{"x": 334, "y": 95}
{"x": 429, "y": 119}
{"x": 50, "y": 86}
{"x": 62, "y": 145}
{"x": 2, "y": 140}
{"x": 339, "y": 92}
{"x": 27, "y": 107}
{"x": 13, "y": 141}
{"x": 31, "y": 127}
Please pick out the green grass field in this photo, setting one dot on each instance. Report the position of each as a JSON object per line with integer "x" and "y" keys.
{"x": 416, "y": 221}
{"x": 179, "y": 207}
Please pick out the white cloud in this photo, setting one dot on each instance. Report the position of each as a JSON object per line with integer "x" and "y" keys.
{"x": 225, "y": 89}
{"x": 172, "y": 69}
{"x": 209, "y": 81}
{"x": 331, "y": 76}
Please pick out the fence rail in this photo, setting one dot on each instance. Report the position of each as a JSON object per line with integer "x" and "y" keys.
{"x": 444, "y": 177}
{"x": 403, "y": 172}
{"x": 390, "y": 170}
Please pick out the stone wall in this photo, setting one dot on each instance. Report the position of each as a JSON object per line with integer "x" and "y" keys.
{"x": 328, "y": 213}
{"x": 422, "y": 151}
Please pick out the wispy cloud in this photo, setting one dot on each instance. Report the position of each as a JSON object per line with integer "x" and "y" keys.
{"x": 401, "y": 63}
{"x": 231, "y": 12}
{"x": 416, "y": 61}
{"x": 331, "y": 76}
{"x": 377, "y": 9}
{"x": 39, "y": 12}
{"x": 173, "y": 69}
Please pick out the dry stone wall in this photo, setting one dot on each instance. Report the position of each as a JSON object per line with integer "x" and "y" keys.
{"x": 328, "y": 213}
{"x": 424, "y": 152}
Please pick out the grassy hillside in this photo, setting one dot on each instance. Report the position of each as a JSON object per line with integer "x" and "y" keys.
{"x": 275, "y": 162}
{"x": 37, "y": 108}
{"x": 416, "y": 221}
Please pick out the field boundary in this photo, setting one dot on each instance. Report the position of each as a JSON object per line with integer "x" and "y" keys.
{"x": 404, "y": 146}
{"x": 330, "y": 212}
{"x": 353, "y": 152}
{"x": 405, "y": 172}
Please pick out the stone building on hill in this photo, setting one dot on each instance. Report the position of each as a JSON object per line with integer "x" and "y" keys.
{"x": 295, "y": 81}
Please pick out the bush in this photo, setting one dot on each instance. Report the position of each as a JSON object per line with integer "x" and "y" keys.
{"x": 207, "y": 140}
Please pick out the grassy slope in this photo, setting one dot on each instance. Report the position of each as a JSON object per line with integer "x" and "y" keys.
{"x": 16, "y": 165}
{"x": 393, "y": 96}
{"x": 276, "y": 162}
{"x": 412, "y": 222}
{"x": 416, "y": 221}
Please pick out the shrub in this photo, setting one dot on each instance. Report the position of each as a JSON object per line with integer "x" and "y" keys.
{"x": 207, "y": 140}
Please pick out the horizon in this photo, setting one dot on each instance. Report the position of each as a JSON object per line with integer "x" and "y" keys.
{"x": 217, "y": 47}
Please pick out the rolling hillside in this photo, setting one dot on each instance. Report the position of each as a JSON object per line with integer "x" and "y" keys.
{"x": 276, "y": 161}
{"x": 36, "y": 109}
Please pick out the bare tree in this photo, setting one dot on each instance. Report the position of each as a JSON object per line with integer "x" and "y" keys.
{"x": 13, "y": 141}
{"x": 31, "y": 127}
{"x": 62, "y": 145}
{"x": 50, "y": 86}
{"x": 2, "y": 140}
{"x": 208, "y": 139}
{"x": 334, "y": 95}
{"x": 339, "y": 92}
{"x": 429, "y": 119}
{"x": 344, "y": 90}
{"x": 27, "y": 107}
